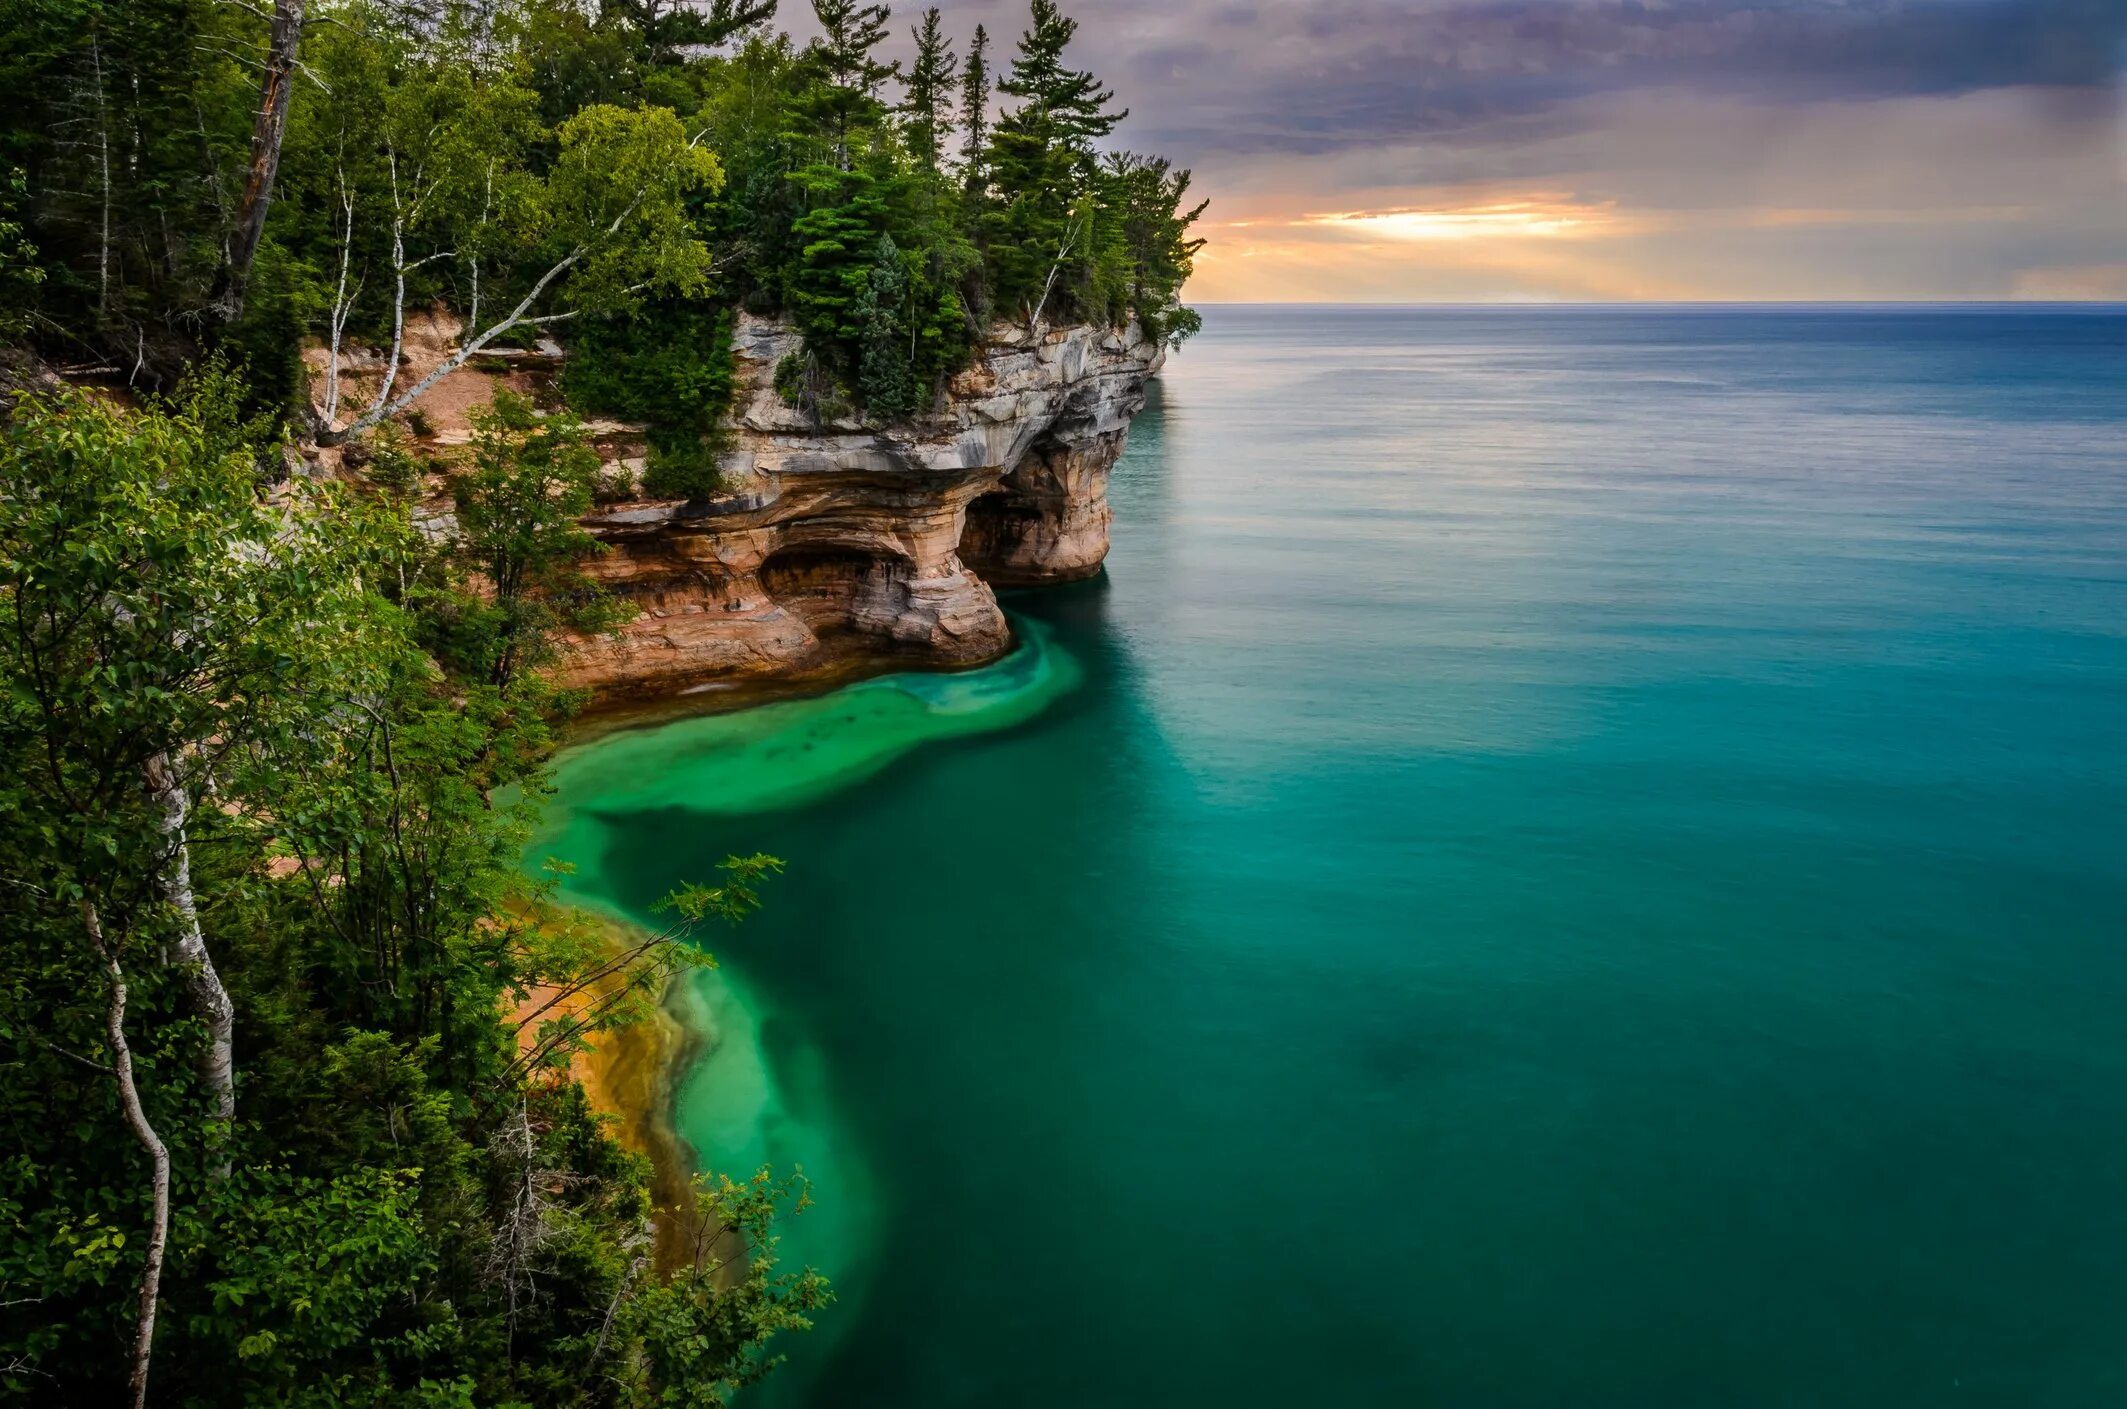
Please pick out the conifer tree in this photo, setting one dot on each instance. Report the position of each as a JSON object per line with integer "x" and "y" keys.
{"x": 849, "y": 33}
{"x": 975, "y": 110}
{"x": 1038, "y": 230}
{"x": 885, "y": 381}
{"x": 928, "y": 105}
{"x": 1069, "y": 105}
{"x": 667, "y": 28}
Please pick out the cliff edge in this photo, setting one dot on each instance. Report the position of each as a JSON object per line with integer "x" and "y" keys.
{"x": 843, "y": 547}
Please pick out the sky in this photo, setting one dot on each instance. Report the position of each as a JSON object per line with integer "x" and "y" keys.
{"x": 1536, "y": 150}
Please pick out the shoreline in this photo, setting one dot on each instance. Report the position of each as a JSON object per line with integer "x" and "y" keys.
{"x": 632, "y": 1074}
{"x": 812, "y": 742}
{"x": 616, "y": 714}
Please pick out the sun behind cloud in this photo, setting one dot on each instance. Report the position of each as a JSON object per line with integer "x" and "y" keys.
{"x": 1531, "y": 218}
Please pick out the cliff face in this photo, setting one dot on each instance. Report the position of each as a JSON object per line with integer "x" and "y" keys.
{"x": 845, "y": 547}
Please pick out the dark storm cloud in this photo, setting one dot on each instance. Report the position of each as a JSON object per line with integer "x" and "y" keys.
{"x": 1215, "y": 76}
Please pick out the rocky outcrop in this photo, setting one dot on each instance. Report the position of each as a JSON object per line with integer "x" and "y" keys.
{"x": 844, "y": 547}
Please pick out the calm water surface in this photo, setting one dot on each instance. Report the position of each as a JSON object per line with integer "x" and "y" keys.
{"x": 1575, "y": 858}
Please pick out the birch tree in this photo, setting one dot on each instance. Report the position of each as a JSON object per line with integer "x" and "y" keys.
{"x": 152, "y": 615}
{"x": 604, "y": 226}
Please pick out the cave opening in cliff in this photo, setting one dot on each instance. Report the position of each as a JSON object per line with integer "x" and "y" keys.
{"x": 833, "y": 588}
{"x": 998, "y": 526}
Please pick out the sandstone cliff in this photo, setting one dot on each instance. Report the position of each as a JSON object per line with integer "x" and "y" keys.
{"x": 844, "y": 547}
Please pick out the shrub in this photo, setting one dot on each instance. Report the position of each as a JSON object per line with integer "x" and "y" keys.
{"x": 670, "y": 370}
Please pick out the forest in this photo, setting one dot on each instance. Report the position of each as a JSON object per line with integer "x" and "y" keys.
{"x": 287, "y": 1034}
{"x": 179, "y": 176}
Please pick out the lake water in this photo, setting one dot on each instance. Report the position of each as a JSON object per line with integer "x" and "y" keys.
{"x": 1575, "y": 858}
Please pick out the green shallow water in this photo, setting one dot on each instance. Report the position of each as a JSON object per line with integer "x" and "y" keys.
{"x": 786, "y": 754}
{"x": 754, "y": 1097}
{"x": 1575, "y": 858}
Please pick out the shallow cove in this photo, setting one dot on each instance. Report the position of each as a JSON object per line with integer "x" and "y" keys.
{"x": 754, "y": 1095}
{"x": 1586, "y": 868}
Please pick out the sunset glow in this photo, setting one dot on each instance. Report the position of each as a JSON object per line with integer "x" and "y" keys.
{"x": 1507, "y": 221}
{"x": 1515, "y": 150}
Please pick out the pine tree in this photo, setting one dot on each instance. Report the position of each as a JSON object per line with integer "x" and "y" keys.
{"x": 1153, "y": 250}
{"x": 975, "y": 111}
{"x": 838, "y": 240}
{"x": 885, "y": 382}
{"x": 849, "y": 32}
{"x": 1068, "y": 104}
{"x": 666, "y": 29}
{"x": 928, "y": 104}
{"x": 1038, "y": 227}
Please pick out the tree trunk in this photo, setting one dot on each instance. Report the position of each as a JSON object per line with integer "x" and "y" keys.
{"x": 203, "y": 986}
{"x": 103, "y": 167}
{"x": 267, "y": 125}
{"x": 380, "y": 409}
{"x": 114, "y": 1027}
{"x": 342, "y": 305}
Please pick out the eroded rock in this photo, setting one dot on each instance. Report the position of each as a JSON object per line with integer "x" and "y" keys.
{"x": 845, "y": 547}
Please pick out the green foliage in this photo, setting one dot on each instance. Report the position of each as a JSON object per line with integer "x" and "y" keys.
{"x": 419, "y": 1206}
{"x": 112, "y": 107}
{"x": 1041, "y": 227}
{"x": 20, "y": 273}
{"x": 790, "y": 377}
{"x": 664, "y": 29}
{"x": 1151, "y": 250}
{"x": 838, "y": 239}
{"x": 670, "y": 369}
{"x": 617, "y": 192}
{"x": 387, "y": 462}
{"x": 850, "y": 34}
{"x": 885, "y": 380}
{"x": 732, "y": 901}
{"x": 705, "y": 1341}
{"x": 1068, "y": 233}
{"x": 1061, "y": 105}
{"x": 150, "y": 602}
{"x": 305, "y": 1276}
{"x": 975, "y": 114}
{"x": 549, "y": 169}
{"x": 519, "y": 507}
{"x": 886, "y": 323}
{"x": 414, "y": 1203}
{"x": 928, "y": 104}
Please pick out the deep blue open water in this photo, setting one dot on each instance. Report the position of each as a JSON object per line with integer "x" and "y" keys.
{"x": 1577, "y": 857}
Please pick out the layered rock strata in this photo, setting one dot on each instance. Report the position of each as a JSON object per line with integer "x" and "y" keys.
{"x": 844, "y": 547}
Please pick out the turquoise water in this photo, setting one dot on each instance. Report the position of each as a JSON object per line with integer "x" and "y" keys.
{"x": 1576, "y": 857}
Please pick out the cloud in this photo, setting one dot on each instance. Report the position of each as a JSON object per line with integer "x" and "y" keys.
{"x": 1677, "y": 195}
{"x": 1626, "y": 148}
{"x": 1208, "y": 77}
{"x": 1530, "y": 217}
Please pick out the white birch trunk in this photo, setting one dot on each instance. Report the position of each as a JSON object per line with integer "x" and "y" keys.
{"x": 114, "y": 1027}
{"x": 203, "y": 986}
{"x": 342, "y": 305}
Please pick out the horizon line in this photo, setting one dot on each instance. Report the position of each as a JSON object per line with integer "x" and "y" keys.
{"x": 1662, "y": 303}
